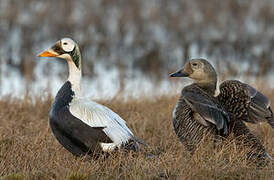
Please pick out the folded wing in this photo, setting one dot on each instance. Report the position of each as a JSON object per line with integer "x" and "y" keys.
{"x": 96, "y": 115}
{"x": 208, "y": 110}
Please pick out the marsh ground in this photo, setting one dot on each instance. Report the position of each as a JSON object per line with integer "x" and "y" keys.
{"x": 28, "y": 149}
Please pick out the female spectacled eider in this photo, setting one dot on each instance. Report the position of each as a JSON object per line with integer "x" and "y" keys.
{"x": 199, "y": 113}
{"x": 83, "y": 126}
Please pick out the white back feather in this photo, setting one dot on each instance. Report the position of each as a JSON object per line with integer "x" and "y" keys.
{"x": 97, "y": 115}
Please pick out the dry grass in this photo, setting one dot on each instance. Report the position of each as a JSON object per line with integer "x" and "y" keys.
{"x": 28, "y": 150}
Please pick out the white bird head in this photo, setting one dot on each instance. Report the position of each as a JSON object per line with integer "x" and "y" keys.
{"x": 65, "y": 48}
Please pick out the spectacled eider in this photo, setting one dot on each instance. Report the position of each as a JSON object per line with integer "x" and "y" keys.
{"x": 199, "y": 113}
{"x": 81, "y": 125}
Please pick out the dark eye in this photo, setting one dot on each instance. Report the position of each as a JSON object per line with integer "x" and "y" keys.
{"x": 65, "y": 43}
{"x": 194, "y": 64}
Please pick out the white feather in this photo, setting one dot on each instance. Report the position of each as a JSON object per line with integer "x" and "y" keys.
{"x": 174, "y": 111}
{"x": 67, "y": 44}
{"x": 74, "y": 78}
{"x": 108, "y": 147}
{"x": 96, "y": 115}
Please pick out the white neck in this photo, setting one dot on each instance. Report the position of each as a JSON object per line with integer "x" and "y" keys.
{"x": 75, "y": 75}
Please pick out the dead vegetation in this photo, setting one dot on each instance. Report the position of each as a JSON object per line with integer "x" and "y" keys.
{"x": 28, "y": 149}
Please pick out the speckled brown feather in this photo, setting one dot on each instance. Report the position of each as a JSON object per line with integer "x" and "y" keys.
{"x": 187, "y": 126}
{"x": 246, "y": 104}
{"x": 234, "y": 98}
{"x": 256, "y": 152}
{"x": 189, "y": 131}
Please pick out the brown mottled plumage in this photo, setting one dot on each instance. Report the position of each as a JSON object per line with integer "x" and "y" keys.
{"x": 245, "y": 102}
{"x": 193, "y": 121}
{"x": 199, "y": 114}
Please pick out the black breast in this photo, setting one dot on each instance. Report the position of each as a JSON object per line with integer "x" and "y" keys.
{"x": 76, "y": 136}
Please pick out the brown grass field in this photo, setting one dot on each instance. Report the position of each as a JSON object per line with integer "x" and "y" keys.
{"x": 28, "y": 149}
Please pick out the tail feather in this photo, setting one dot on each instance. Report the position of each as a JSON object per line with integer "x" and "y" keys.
{"x": 140, "y": 141}
{"x": 133, "y": 144}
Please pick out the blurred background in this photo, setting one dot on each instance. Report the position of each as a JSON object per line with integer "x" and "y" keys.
{"x": 130, "y": 47}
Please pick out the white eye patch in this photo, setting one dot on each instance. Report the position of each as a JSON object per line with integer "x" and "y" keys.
{"x": 67, "y": 44}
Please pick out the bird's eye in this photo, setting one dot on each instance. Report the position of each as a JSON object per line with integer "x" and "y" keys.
{"x": 194, "y": 64}
{"x": 65, "y": 43}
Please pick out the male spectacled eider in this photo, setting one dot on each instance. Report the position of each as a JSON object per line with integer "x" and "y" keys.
{"x": 199, "y": 113}
{"x": 83, "y": 126}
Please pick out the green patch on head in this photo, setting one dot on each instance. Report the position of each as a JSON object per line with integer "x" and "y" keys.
{"x": 75, "y": 55}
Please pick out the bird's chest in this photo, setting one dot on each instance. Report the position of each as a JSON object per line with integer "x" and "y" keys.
{"x": 182, "y": 116}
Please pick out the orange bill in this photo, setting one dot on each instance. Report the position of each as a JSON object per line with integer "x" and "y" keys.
{"x": 47, "y": 54}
